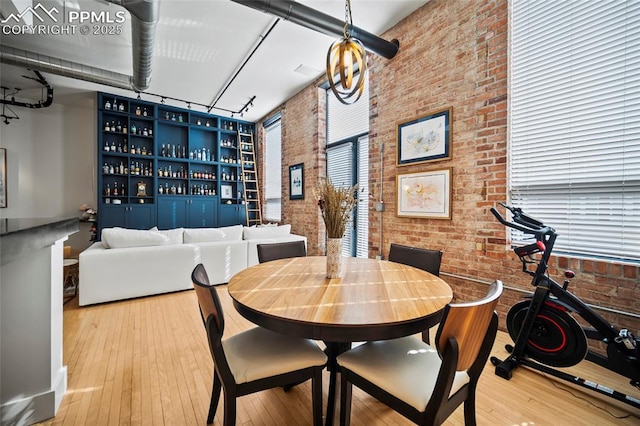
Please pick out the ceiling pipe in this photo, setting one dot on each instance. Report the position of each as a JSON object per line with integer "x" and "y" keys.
{"x": 144, "y": 16}
{"x": 321, "y": 22}
{"x": 48, "y": 64}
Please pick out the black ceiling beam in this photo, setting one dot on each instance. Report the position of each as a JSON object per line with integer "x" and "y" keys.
{"x": 321, "y": 22}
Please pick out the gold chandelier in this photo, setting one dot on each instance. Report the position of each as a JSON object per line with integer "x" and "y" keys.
{"x": 346, "y": 57}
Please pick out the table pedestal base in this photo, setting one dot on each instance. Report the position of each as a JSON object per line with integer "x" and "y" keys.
{"x": 333, "y": 350}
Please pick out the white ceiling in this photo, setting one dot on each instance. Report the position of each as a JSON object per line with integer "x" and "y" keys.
{"x": 199, "y": 46}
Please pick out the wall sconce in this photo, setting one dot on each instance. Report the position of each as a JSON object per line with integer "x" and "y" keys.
{"x": 347, "y": 56}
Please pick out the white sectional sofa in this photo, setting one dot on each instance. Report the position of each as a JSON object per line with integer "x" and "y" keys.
{"x": 129, "y": 263}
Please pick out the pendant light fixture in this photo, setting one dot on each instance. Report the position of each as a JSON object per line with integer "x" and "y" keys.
{"x": 346, "y": 57}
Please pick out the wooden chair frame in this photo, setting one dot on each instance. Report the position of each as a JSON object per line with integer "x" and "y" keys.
{"x": 275, "y": 251}
{"x": 213, "y": 319}
{"x": 425, "y": 259}
{"x": 472, "y": 358}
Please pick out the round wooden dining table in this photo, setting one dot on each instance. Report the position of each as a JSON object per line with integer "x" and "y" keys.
{"x": 373, "y": 300}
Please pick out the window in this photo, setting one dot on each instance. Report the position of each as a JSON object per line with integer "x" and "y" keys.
{"x": 273, "y": 171}
{"x": 348, "y": 163}
{"x": 574, "y": 157}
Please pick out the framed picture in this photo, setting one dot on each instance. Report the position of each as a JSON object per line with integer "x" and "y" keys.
{"x": 425, "y": 194}
{"x": 296, "y": 182}
{"x": 3, "y": 177}
{"x": 227, "y": 191}
{"x": 424, "y": 139}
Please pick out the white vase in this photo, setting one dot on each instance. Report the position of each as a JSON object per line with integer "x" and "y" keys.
{"x": 334, "y": 258}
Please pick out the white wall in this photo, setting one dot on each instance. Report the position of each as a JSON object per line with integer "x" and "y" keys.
{"x": 51, "y": 157}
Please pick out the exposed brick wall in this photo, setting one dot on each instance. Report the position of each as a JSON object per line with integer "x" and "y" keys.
{"x": 452, "y": 54}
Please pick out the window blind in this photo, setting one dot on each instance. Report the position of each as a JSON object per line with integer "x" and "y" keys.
{"x": 362, "y": 239}
{"x": 345, "y": 121}
{"x": 574, "y": 130}
{"x": 340, "y": 174}
{"x": 273, "y": 172}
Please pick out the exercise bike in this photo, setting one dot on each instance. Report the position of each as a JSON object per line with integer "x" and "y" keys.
{"x": 545, "y": 333}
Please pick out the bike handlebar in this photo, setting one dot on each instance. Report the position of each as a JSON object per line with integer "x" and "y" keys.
{"x": 522, "y": 222}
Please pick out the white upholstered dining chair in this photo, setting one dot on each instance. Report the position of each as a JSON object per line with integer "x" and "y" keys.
{"x": 423, "y": 383}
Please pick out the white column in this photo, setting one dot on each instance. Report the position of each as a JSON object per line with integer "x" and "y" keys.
{"x": 33, "y": 380}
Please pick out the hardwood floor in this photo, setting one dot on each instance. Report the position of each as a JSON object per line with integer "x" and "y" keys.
{"x": 147, "y": 361}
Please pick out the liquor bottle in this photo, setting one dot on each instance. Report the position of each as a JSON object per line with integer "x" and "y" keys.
{"x": 144, "y": 112}
{"x": 107, "y": 191}
{"x": 119, "y": 127}
{"x": 115, "y": 189}
{"x": 121, "y": 107}
{"x": 138, "y": 111}
{"x": 122, "y": 190}
{"x": 133, "y": 149}
{"x": 133, "y": 128}
{"x": 113, "y": 125}
{"x": 121, "y": 168}
{"x": 160, "y": 189}
{"x": 180, "y": 119}
{"x": 179, "y": 190}
{"x": 105, "y": 169}
{"x": 107, "y": 104}
{"x": 113, "y": 146}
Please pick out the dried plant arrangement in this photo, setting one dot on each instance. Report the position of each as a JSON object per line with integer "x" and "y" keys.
{"x": 336, "y": 205}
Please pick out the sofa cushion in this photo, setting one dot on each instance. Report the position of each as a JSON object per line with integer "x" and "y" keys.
{"x": 175, "y": 235}
{"x": 251, "y": 233}
{"x": 208, "y": 235}
{"x": 121, "y": 238}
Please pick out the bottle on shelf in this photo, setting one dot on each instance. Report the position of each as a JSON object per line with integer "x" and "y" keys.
{"x": 138, "y": 111}
{"x": 121, "y": 107}
{"x": 107, "y": 104}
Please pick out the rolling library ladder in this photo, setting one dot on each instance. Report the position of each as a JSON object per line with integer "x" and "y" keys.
{"x": 253, "y": 212}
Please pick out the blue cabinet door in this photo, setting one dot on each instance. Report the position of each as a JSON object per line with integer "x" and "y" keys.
{"x": 112, "y": 215}
{"x": 203, "y": 212}
{"x": 172, "y": 212}
{"x": 231, "y": 214}
{"x": 132, "y": 216}
{"x": 141, "y": 216}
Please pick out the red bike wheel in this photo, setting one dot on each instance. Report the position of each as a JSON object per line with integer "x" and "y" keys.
{"x": 556, "y": 339}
